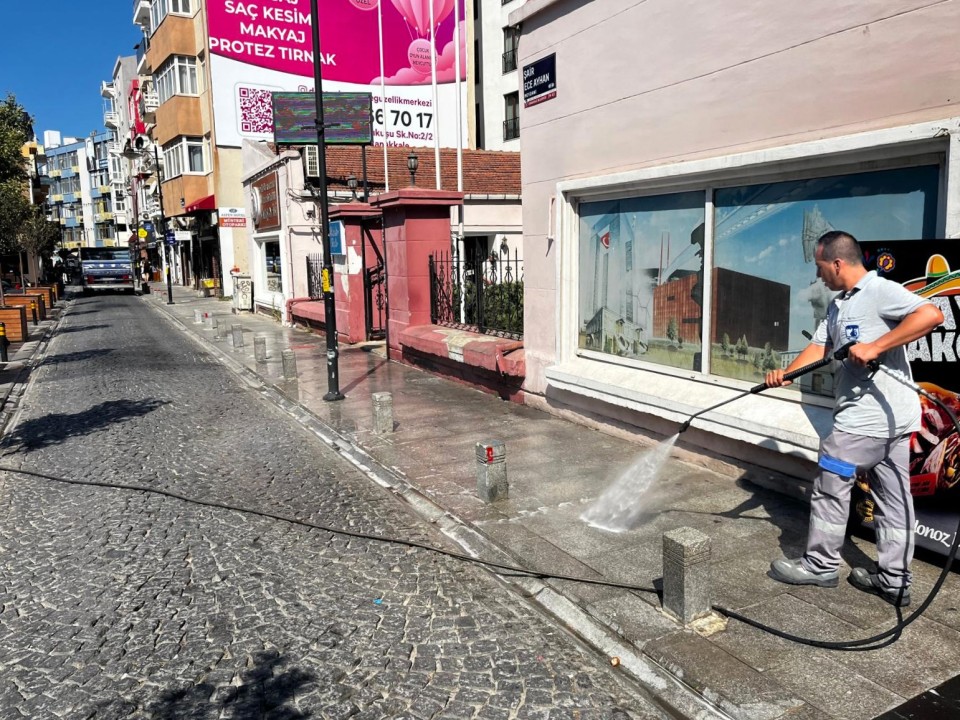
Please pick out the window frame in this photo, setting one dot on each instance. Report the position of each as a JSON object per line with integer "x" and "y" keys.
{"x": 910, "y": 146}
{"x": 176, "y": 157}
{"x": 169, "y": 82}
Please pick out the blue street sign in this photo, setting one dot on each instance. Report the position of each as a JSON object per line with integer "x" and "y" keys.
{"x": 336, "y": 237}
{"x": 148, "y": 226}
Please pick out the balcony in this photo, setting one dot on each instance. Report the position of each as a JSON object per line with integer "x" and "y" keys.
{"x": 141, "y": 13}
{"x": 149, "y": 102}
{"x": 107, "y": 89}
{"x": 111, "y": 119}
{"x": 509, "y": 61}
{"x": 55, "y": 173}
{"x": 114, "y": 148}
{"x": 511, "y": 128}
{"x": 104, "y": 189}
{"x": 102, "y": 217}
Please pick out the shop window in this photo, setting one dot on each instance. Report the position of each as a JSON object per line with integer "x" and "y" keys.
{"x": 641, "y": 278}
{"x": 765, "y": 292}
{"x": 272, "y": 266}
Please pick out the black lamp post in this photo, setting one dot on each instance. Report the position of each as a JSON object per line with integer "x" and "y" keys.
{"x": 352, "y": 184}
{"x": 413, "y": 162}
{"x": 168, "y": 249}
{"x": 329, "y": 303}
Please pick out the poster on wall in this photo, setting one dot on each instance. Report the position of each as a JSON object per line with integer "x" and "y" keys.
{"x": 931, "y": 269}
{"x": 258, "y": 48}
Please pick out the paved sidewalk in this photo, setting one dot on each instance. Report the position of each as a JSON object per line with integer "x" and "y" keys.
{"x": 556, "y": 470}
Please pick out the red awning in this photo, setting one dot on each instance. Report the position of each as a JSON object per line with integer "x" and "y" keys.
{"x": 207, "y": 203}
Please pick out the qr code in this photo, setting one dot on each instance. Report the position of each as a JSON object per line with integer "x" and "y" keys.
{"x": 256, "y": 110}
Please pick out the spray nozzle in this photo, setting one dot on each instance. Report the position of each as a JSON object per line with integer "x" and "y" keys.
{"x": 844, "y": 352}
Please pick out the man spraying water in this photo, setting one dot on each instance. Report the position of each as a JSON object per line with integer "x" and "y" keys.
{"x": 873, "y": 418}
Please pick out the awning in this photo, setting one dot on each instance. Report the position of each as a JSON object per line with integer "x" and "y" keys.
{"x": 207, "y": 203}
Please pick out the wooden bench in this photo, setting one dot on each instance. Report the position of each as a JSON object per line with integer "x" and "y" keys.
{"x": 17, "y": 300}
{"x": 15, "y": 320}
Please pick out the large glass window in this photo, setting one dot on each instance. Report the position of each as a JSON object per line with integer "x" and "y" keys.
{"x": 766, "y": 295}
{"x": 177, "y": 76}
{"x": 161, "y": 8}
{"x": 272, "y": 266}
{"x": 511, "y": 112}
{"x": 185, "y": 156}
{"x": 641, "y": 278}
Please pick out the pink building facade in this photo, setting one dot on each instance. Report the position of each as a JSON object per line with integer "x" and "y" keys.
{"x": 662, "y": 141}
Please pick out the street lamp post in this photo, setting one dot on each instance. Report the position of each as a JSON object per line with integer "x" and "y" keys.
{"x": 329, "y": 304}
{"x": 167, "y": 248}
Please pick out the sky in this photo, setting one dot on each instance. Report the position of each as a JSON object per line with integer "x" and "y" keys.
{"x": 55, "y": 54}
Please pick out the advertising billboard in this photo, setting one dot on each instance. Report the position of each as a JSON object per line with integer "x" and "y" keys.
{"x": 931, "y": 269}
{"x": 346, "y": 118}
{"x": 366, "y": 46}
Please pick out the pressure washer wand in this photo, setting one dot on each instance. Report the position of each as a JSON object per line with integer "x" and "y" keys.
{"x": 840, "y": 354}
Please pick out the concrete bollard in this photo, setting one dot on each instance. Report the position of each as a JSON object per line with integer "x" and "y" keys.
{"x": 260, "y": 348}
{"x": 208, "y": 320}
{"x": 215, "y": 326}
{"x": 382, "y": 413}
{"x": 197, "y": 317}
{"x": 237, "y": 331}
{"x": 289, "y": 364}
{"x": 492, "y": 471}
{"x": 686, "y": 574}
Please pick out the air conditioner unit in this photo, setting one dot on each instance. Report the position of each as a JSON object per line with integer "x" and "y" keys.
{"x": 311, "y": 161}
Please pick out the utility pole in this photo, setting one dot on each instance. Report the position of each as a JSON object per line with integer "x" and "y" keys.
{"x": 167, "y": 247}
{"x": 329, "y": 304}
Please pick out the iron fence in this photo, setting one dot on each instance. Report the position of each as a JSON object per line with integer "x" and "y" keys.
{"x": 315, "y": 277}
{"x": 483, "y": 292}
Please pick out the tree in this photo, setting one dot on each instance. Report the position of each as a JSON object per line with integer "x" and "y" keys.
{"x": 725, "y": 345}
{"x": 672, "y": 331}
{"x": 16, "y": 128}
{"x": 742, "y": 347}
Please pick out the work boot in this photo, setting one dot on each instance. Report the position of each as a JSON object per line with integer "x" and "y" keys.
{"x": 869, "y": 582}
{"x": 792, "y": 572}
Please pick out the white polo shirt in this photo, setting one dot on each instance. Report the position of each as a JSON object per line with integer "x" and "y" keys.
{"x": 877, "y": 405}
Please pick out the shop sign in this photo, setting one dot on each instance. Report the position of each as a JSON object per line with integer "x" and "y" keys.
{"x": 266, "y": 203}
{"x": 931, "y": 269}
{"x": 231, "y": 217}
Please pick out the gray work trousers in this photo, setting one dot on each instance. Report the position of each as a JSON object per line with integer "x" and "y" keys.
{"x": 887, "y": 463}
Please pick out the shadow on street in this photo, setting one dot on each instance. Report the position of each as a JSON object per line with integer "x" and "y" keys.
{"x": 264, "y": 691}
{"x": 54, "y": 428}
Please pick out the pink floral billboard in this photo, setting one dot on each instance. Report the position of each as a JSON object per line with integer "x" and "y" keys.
{"x": 377, "y": 46}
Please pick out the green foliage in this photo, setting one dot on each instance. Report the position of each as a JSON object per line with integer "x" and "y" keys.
{"x": 15, "y": 129}
{"x": 725, "y": 344}
{"x": 742, "y": 348}
{"x": 502, "y": 306}
{"x": 15, "y": 208}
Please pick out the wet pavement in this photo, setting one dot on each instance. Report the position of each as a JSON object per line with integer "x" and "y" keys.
{"x": 556, "y": 470}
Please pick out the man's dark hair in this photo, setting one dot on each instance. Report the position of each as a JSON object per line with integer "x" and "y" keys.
{"x": 839, "y": 245}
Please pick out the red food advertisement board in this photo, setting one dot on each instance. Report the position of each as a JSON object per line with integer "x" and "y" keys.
{"x": 931, "y": 269}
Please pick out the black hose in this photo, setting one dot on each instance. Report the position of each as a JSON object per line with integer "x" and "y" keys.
{"x": 509, "y": 570}
{"x": 890, "y": 636}
{"x": 840, "y": 354}
{"x": 872, "y": 643}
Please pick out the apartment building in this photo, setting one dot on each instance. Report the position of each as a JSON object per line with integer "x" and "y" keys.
{"x": 495, "y": 87}
{"x": 79, "y": 175}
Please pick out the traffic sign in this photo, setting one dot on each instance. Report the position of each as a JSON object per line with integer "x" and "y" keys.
{"x": 141, "y": 233}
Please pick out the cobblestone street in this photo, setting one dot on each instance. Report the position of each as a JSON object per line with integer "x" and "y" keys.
{"x": 116, "y": 603}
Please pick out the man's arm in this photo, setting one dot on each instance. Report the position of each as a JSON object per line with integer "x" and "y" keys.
{"x": 915, "y": 325}
{"x": 810, "y": 354}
